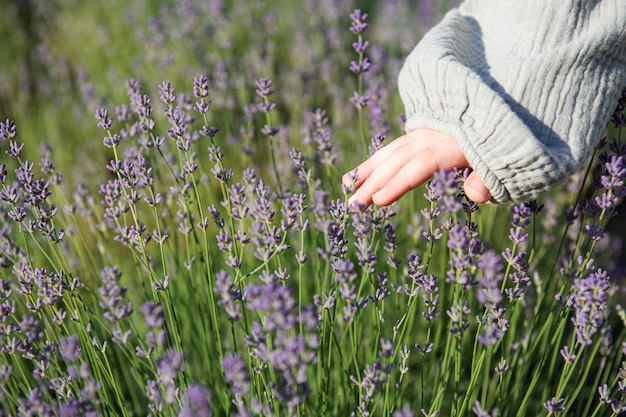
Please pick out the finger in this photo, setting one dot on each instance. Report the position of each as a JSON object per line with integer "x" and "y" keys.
{"x": 476, "y": 190}
{"x": 380, "y": 175}
{"x": 412, "y": 175}
{"x": 364, "y": 170}
{"x": 446, "y": 154}
{"x": 417, "y": 138}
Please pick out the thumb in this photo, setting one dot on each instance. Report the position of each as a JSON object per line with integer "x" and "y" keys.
{"x": 476, "y": 190}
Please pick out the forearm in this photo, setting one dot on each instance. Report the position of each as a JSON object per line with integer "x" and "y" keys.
{"x": 525, "y": 88}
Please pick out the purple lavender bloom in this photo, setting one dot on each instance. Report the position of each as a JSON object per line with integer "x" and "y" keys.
{"x": 360, "y": 45}
{"x": 589, "y": 301}
{"x": 360, "y": 101}
{"x": 104, "y": 121}
{"x": 197, "y": 402}
{"x": 603, "y": 392}
{"x": 358, "y": 24}
{"x": 430, "y": 297}
{"x": 554, "y": 405}
{"x": 493, "y": 328}
{"x": 164, "y": 389}
{"x": 3, "y": 173}
{"x": 274, "y": 299}
{"x": 465, "y": 246}
{"x": 31, "y": 328}
{"x": 15, "y": 148}
{"x": 365, "y": 254}
{"x": 69, "y": 348}
{"x": 236, "y": 375}
{"x": 567, "y": 354}
{"x": 478, "y": 410}
{"x": 374, "y": 377}
{"x": 360, "y": 67}
{"x": 293, "y": 208}
{"x": 502, "y": 367}
{"x": 8, "y": 129}
{"x": 490, "y": 267}
{"x": 264, "y": 90}
{"x": 264, "y": 87}
{"x": 595, "y": 231}
{"x": 377, "y": 142}
{"x": 229, "y": 295}
{"x": 458, "y": 316}
{"x": 112, "y": 296}
{"x": 169, "y": 365}
{"x": 321, "y": 135}
{"x": 166, "y": 93}
{"x": 403, "y": 412}
{"x": 446, "y": 189}
{"x": 290, "y": 356}
{"x": 153, "y": 314}
{"x": 35, "y": 405}
{"x": 201, "y": 87}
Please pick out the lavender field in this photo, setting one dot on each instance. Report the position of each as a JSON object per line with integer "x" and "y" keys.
{"x": 175, "y": 238}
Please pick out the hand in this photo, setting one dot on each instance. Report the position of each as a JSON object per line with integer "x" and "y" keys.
{"x": 405, "y": 164}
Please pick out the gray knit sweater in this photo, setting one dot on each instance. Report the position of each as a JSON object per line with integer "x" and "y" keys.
{"x": 525, "y": 86}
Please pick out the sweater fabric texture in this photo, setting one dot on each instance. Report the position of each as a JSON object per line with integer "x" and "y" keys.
{"x": 526, "y": 87}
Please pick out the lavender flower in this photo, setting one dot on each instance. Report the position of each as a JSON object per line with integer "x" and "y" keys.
{"x": 358, "y": 24}
{"x": 554, "y": 405}
{"x": 289, "y": 356}
{"x": 445, "y": 189}
{"x": 264, "y": 90}
{"x": 236, "y": 376}
{"x": 458, "y": 316}
{"x": 374, "y": 377}
{"x": 403, "y": 412}
{"x": 69, "y": 348}
{"x": 494, "y": 326}
{"x": 197, "y": 402}
{"x": 164, "y": 390}
{"x": 229, "y": 295}
{"x": 589, "y": 300}
{"x": 490, "y": 267}
{"x": 430, "y": 297}
{"x": 156, "y": 336}
{"x": 34, "y": 405}
{"x": 465, "y": 245}
{"x": 479, "y": 411}
{"x": 321, "y": 135}
{"x": 8, "y": 129}
{"x": 113, "y": 295}
{"x": 567, "y": 354}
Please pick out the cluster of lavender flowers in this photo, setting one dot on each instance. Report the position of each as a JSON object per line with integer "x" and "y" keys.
{"x": 212, "y": 266}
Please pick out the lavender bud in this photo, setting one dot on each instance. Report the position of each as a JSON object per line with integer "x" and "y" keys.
{"x": 69, "y": 348}
{"x": 7, "y": 129}
{"x": 201, "y": 87}
{"x": 358, "y": 25}
{"x": 197, "y": 402}
{"x": 554, "y": 405}
{"x": 104, "y": 121}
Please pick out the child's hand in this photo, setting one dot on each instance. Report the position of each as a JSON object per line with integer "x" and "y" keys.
{"x": 406, "y": 163}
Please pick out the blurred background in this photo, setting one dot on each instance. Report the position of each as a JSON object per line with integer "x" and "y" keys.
{"x": 60, "y": 60}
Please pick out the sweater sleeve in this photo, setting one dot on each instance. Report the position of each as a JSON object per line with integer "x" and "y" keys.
{"x": 525, "y": 86}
